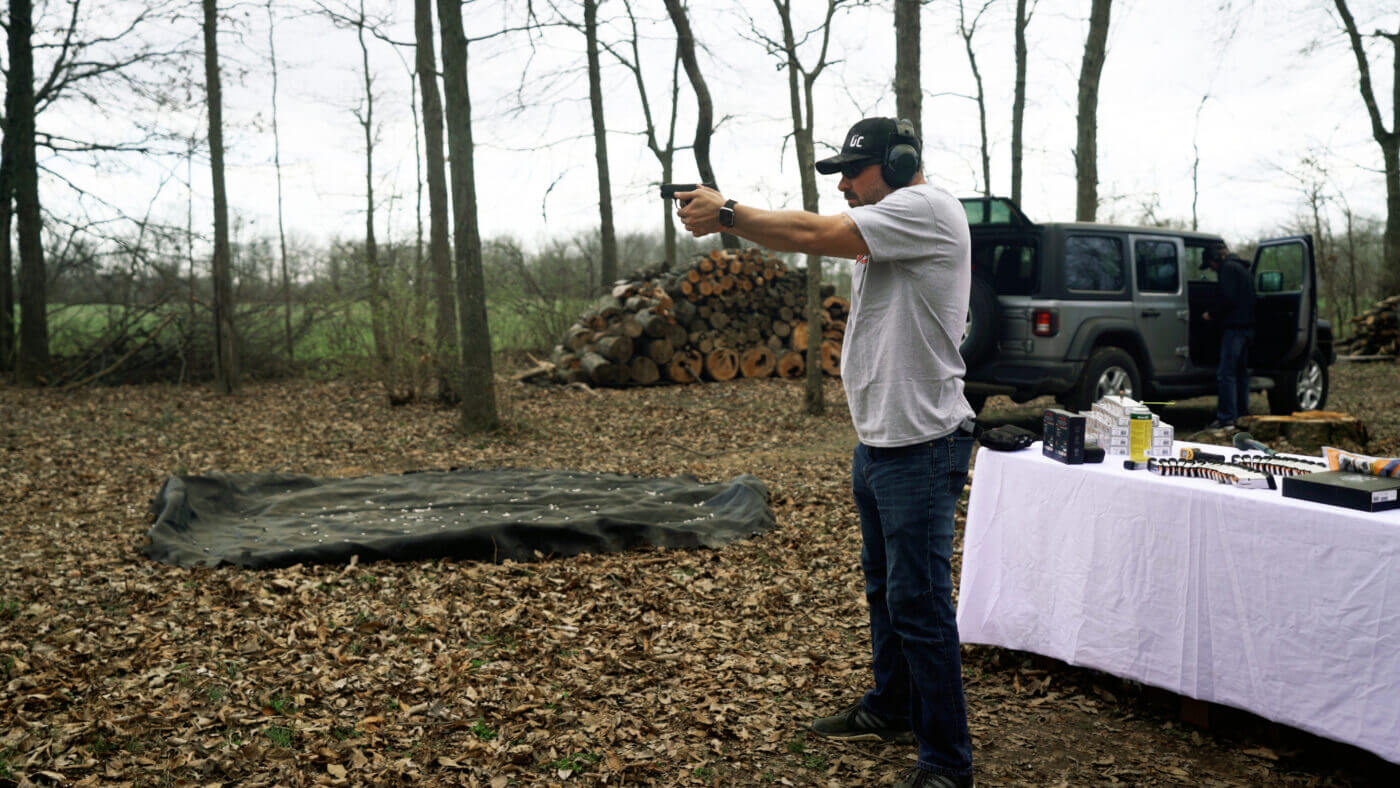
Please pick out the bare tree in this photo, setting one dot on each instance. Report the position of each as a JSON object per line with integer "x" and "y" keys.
{"x": 600, "y": 145}
{"x": 439, "y": 248}
{"x": 478, "y": 387}
{"x": 1086, "y": 149}
{"x": 225, "y": 365}
{"x": 908, "y": 78}
{"x": 1389, "y": 140}
{"x": 967, "y": 30}
{"x": 33, "y": 358}
{"x": 801, "y": 80}
{"x": 705, "y": 121}
{"x": 277, "y": 165}
{"x": 1024, "y": 12}
{"x": 7, "y": 273}
{"x": 665, "y": 155}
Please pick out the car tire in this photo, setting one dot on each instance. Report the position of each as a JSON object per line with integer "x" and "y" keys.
{"x": 1301, "y": 388}
{"x": 981, "y": 330}
{"x": 1109, "y": 370}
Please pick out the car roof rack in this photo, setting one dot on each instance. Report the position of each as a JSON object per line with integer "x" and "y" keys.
{"x": 985, "y": 211}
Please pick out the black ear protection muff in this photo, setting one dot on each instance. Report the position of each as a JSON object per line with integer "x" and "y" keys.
{"x": 901, "y": 155}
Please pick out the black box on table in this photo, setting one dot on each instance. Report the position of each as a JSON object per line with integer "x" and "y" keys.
{"x": 1345, "y": 488}
{"x": 1064, "y": 439}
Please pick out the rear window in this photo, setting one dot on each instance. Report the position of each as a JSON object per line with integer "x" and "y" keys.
{"x": 1013, "y": 267}
{"x": 1094, "y": 264}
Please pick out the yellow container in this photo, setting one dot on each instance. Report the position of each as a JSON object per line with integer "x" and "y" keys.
{"x": 1139, "y": 434}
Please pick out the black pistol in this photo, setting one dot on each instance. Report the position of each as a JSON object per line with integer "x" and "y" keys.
{"x": 668, "y": 190}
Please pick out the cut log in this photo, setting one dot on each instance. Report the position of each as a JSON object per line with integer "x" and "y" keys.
{"x": 798, "y": 340}
{"x": 577, "y": 336}
{"x": 660, "y": 351}
{"x": 831, "y": 358}
{"x": 782, "y": 329}
{"x": 617, "y": 349}
{"x": 722, "y": 364}
{"x": 791, "y": 365}
{"x": 653, "y": 325}
{"x": 601, "y": 371}
{"x": 643, "y": 371}
{"x": 631, "y": 326}
{"x": 685, "y": 367}
{"x": 757, "y": 362}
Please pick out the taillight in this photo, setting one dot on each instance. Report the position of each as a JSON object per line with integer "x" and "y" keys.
{"x": 1045, "y": 322}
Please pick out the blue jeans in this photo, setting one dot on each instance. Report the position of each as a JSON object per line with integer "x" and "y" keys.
{"x": 1233, "y": 374}
{"x": 906, "y": 497}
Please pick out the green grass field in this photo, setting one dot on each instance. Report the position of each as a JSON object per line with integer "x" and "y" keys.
{"x": 324, "y": 332}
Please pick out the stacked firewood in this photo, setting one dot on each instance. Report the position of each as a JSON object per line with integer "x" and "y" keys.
{"x": 1375, "y": 332}
{"x": 731, "y": 313}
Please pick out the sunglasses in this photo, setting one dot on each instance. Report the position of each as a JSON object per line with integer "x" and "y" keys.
{"x": 855, "y": 168}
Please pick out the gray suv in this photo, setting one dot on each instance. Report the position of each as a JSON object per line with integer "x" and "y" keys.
{"x": 1082, "y": 310}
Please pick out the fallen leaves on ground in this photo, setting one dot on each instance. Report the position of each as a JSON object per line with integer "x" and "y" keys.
{"x": 652, "y": 667}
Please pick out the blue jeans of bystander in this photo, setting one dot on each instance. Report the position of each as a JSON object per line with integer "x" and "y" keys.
{"x": 906, "y": 497}
{"x": 1233, "y": 375}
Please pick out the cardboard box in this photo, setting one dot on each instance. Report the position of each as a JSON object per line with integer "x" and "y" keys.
{"x": 1345, "y": 488}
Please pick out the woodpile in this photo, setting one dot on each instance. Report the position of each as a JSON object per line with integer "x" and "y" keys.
{"x": 1376, "y": 332}
{"x": 731, "y": 313}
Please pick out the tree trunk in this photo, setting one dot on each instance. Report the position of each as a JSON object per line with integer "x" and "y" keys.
{"x": 1388, "y": 140}
{"x": 1018, "y": 102}
{"x": 705, "y": 108}
{"x": 439, "y": 248}
{"x": 908, "y": 82}
{"x": 7, "y": 273}
{"x": 225, "y": 364}
{"x": 600, "y": 145}
{"x": 478, "y": 387}
{"x": 968, "y": 31}
{"x": 33, "y": 357}
{"x": 1086, "y": 150}
{"x": 377, "y": 297}
{"x": 277, "y": 166}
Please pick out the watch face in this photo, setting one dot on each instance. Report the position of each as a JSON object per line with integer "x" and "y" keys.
{"x": 726, "y": 217}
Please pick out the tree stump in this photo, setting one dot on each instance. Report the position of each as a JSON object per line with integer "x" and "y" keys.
{"x": 1309, "y": 430}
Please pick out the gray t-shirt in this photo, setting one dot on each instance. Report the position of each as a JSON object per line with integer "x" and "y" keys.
{"x": 901, "y": 365}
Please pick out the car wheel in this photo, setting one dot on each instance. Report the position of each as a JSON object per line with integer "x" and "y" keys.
{"x": 979, "y": 335}
{"x": 1110, "y": 370}
{"x": 1304, "y": 388}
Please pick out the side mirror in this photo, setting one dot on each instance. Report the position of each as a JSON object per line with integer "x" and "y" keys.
{"x": 1270, "y": 282}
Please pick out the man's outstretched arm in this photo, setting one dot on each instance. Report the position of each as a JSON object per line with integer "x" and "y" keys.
{"x": 782, "y": 231}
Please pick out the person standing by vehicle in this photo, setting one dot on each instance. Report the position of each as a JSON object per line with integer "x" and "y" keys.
{"x": 902, "y": 372}
{"x": 1236, "y": 318}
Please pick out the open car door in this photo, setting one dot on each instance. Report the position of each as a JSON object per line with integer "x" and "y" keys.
{"x": 1285, "y": 307}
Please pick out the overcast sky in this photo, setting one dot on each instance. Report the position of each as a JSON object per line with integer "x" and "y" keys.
{"x": 1279, "y": 77}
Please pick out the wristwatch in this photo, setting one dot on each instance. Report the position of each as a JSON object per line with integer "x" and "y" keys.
{"x": 726, "y": 214}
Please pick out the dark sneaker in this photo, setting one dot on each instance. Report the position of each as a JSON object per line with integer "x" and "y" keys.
{"x": 857, "y": 724}
{"x": 1220, "y": 425}
{"x": 920, "y": 778}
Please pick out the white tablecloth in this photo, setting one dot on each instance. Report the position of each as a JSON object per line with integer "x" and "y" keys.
{"x": 1285, "y": 608}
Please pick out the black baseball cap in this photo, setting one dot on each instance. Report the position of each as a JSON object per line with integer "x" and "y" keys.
{"x": 867, "y": 141}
